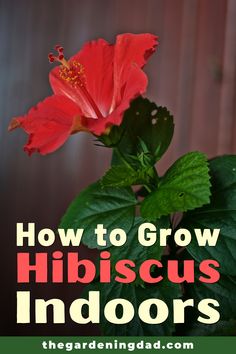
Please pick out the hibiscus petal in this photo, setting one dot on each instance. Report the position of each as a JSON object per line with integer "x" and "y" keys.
{"x": 49, "y": 124}
{"x": 135, "y": 86}
{"x": 131, "y": 53}
{"x": 97, "y": 59}
{"x": 130, "y": 50}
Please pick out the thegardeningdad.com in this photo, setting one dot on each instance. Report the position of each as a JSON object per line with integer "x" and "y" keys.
{"x": 115, "y": 345}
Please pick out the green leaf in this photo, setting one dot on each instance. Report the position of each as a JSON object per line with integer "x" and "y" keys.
{"x": 221, "y": 328}
{"x": 146, "y": 123}
{"x": 165, "y": 291}
{"x": 134, "y": 251}
{"x": 112, "y": 207}
{"x": 124, "y": 176}
{"x": 224, "y": 291}
{"x": 219, "y": 214}
{"x": 185, "y": 186}
{"x": 133, "y": 292}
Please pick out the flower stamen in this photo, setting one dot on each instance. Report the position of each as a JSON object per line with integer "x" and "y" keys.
{"x": 73, "y": 73}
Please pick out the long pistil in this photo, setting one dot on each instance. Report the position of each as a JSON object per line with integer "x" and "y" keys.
{"x": 73, "y": 73}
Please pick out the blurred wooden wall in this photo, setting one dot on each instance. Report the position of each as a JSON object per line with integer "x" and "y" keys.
{"x": 193, "y": 74}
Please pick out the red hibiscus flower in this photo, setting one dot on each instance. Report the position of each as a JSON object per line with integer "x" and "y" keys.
{"x": 91, "y": 91}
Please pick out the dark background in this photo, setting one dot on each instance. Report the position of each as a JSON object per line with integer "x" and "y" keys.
{"x": 193, "y": 74}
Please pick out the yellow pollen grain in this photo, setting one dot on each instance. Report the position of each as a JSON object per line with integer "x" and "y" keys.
{"x": 73, "y": 73}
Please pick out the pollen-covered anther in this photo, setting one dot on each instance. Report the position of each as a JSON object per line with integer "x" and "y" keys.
{"x": 74, "y": 74}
